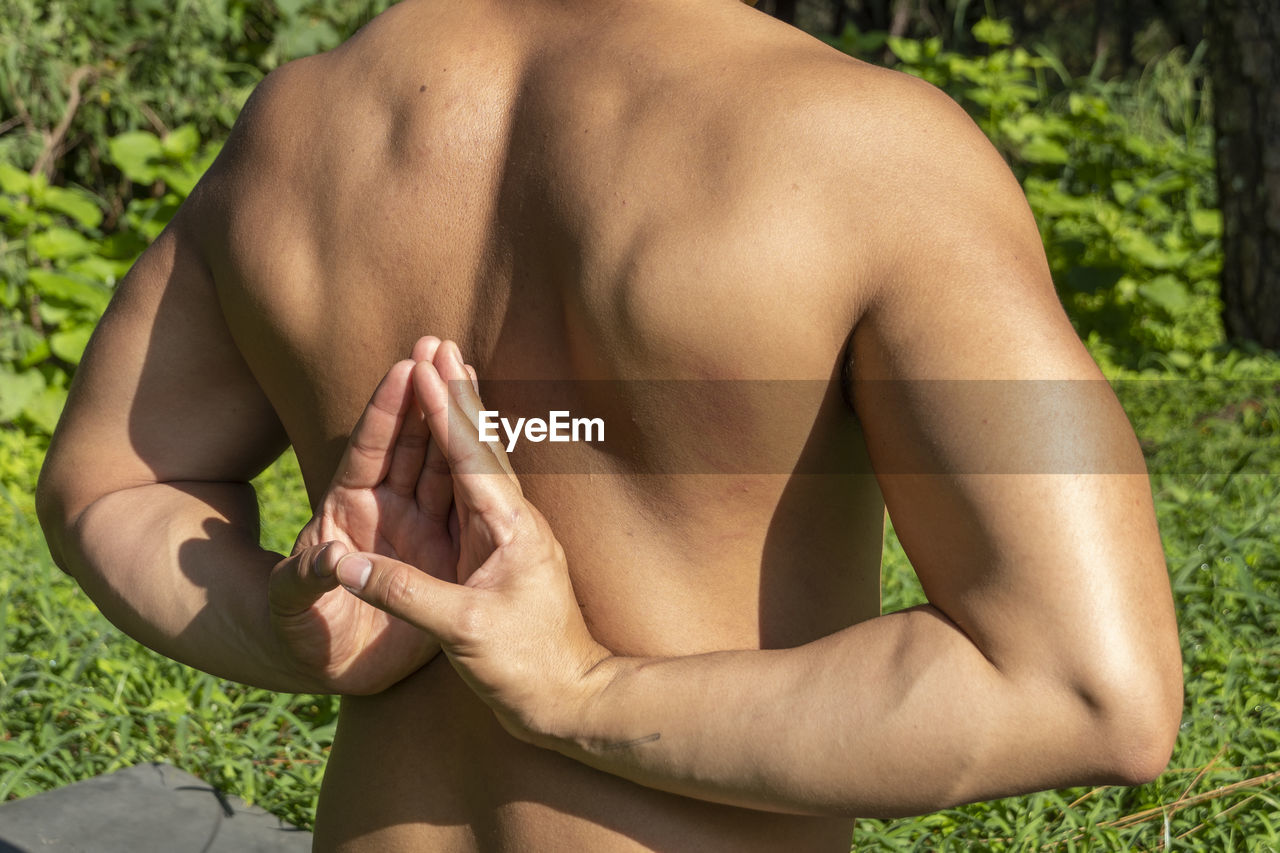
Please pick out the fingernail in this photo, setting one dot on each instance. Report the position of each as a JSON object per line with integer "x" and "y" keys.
{"x": 319, "y": 564}
{"x": 354, "y": 571}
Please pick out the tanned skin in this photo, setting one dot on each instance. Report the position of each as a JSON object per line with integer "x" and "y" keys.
{"x": 640, "y": 653}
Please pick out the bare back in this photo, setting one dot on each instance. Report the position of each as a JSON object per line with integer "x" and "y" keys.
{"x": 633, "y": 195}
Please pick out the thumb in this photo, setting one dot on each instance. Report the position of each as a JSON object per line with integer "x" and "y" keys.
{"x": 426, "y": 602}
{"x": 299, "y": 581}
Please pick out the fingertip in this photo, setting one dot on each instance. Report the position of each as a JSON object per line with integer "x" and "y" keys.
{"x": 403, "y": 366}
{"x": 455, "y": 357}
{"x": 427, "y": 382}
{"x": 425, "y": 348}
{"x": 393, "y": 393}
{"x": 475, "y": 379}
{"x": 448, "y": 361}
{"x": 353, "y": 571}
{"x": 327, "y": 557}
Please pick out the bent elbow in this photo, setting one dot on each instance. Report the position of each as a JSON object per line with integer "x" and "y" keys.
{"x": 1138, "y": 722}
{"x": 1140, "y": 754}
{"x": 50, "y": 512}
{"x": 64, "y": 491}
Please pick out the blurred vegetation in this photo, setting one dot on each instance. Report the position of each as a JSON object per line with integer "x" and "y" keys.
{"x": 109, "y": 112}
{"x": 1111, "y": 37}
{"x": 1119, "y": 174}
{"x": 75, "y": 73}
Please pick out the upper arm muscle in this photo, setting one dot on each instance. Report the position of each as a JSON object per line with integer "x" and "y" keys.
{"x": 1012, "y": 475}
{"x": 162, "y": 393}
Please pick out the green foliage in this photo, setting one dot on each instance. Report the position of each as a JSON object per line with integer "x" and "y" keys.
{"x": 156, "y": 64}
{"x": 1119, "y": 176}
{"x": 59, "y": 268}
{"x": 109, "y": 103}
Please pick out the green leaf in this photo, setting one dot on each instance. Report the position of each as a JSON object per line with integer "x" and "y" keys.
{"x": 43, "y": 409}
{"x": 1043, "y": 150}
{"x": 1139, "y": 147}
{"x": 38, "y": 352}
{"x": 1166, "y": 292}
{"x": 123, "y": 245}
{"x": 78, "y": 291}
{"x": 16, "y": 215}
{"x": 134, "y": 153}
{"x": 993, "y": 32}
{"x": 304, "y": 38}
{"x": 58, "y": 243}
{"x": 905, "y": 49}
{"x": 69, "y": 344}
{"x": 171, "y": 701}
{"x": 1048, "y": 200}
{"x": 180, "y": 180}
{"x": 1123, "y": 192}
{"x": 14, "y": 181}
{"x": 77, "y": 204}
{"x": 1206, "y": 223}
{"x": 97, "y": 268}
{"x": 16, "y": 390}
{"x": 110, "y": 667}
{"x": 181, "y": 143}
{"x": 1141, "y": 248}
{"x": 54, "y": 313}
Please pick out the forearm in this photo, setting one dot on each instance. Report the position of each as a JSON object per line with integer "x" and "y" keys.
{"x": 178, "y": 568}
{"x": 899, "y": 715}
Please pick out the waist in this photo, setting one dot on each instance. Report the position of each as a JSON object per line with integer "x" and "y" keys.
{"x": 425, "y": 766}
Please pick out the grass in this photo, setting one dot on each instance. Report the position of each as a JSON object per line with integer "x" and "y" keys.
{"x": 78, "y": 699}
{"x": 1212, "y": 440}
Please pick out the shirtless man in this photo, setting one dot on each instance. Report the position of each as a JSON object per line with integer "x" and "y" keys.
{"x": 625, "y": 191}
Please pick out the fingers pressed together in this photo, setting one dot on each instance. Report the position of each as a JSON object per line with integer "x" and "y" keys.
{"x": 419, "y": 435}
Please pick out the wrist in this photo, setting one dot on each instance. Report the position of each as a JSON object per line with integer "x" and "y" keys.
{"x": 588, "y": 714}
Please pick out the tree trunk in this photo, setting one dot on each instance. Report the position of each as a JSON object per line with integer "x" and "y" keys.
{"x": 839, "y": 17}
{"x": 1112, "y": 32}
{"x": 1186, "y": 24}
{"x": 1244, "y": 39}
{"x": 877, "y": 14}
{"x": 901, "y": 18}
{"x": 785, "y": 10}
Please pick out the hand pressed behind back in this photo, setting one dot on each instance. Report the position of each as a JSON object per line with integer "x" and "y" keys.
{"x": 510, "y": 622}
{"x": 391, "y": 495}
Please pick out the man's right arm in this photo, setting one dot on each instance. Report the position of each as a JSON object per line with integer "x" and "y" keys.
{"x": 145, "y": 495}
{"x": 145, "y": 498}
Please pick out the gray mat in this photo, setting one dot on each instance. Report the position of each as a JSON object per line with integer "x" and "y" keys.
{"x": 150, "y": 808}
